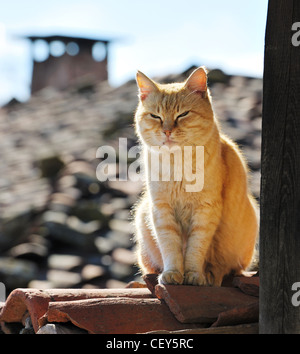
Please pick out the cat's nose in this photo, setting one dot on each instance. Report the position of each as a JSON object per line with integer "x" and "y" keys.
{"x": 168, "y": 132}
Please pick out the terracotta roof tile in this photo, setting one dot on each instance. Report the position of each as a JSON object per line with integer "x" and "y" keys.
{"x": 251, "y": 328}
{"x": 136, "y": 310}
{"x": 248, "y": 285}
{"x": 201, "y": 304}
{"x": 36, "y": 301}
{"x": 238, "y": 315}
{"x": 114, "y": 315}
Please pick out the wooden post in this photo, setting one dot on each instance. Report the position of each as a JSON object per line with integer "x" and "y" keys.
{"x": 280, "y": 182}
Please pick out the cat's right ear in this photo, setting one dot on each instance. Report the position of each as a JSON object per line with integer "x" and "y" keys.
{"x": 145, "y": 85}
{"x": 197, "y": 81}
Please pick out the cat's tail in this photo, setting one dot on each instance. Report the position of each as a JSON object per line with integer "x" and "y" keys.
{"x": 254, "y": 264}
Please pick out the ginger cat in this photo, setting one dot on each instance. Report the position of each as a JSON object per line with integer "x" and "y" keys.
{"x": 191, "y": 237}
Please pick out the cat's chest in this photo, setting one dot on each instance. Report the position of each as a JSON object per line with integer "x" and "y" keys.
{"x": 183, "y": 212}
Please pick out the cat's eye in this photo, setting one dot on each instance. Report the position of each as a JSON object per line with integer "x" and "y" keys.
{"x": 154, "y": 116}
{"x": 183, "y": 114}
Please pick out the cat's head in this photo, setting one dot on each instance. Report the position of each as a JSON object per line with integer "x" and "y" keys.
{"x": 178, "y": 114}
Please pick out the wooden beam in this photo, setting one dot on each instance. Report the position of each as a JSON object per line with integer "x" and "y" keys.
{"x": 280, "y": 182}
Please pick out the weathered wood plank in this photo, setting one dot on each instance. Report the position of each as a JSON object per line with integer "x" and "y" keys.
{"x": 280, "y": 183}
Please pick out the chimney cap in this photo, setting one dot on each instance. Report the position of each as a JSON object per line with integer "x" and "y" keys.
{"x": 67, "y": 39}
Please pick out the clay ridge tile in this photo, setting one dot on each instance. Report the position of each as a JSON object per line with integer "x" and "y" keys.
{"x": 36, "y": 301}
{"x": 136, "y": 310}
{"x": 114, "y": 315}
{"x": 201, "y": 304}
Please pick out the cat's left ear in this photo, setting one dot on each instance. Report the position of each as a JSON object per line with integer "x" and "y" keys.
{"x": 197, "y": 81}
{"x": 145, "y": 85}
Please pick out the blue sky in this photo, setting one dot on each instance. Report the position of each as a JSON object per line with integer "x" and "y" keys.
{"x": 157, "y": 36}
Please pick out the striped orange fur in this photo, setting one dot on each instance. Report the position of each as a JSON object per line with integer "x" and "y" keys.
{"x": 192, "y": 237}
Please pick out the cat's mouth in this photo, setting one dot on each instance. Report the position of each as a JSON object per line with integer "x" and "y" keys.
{"x": 170, "y": 142}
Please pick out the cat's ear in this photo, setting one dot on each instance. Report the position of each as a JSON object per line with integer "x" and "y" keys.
{"x": 197, "y": 81}
{"x": 145, "y": 85}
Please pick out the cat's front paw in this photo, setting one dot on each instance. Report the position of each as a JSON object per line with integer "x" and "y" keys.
{"x": 194, "y": 278}
{"x": 171, "y": 277}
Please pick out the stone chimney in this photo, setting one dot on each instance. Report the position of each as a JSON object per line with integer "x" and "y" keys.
{"x": 66, "y": 60}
